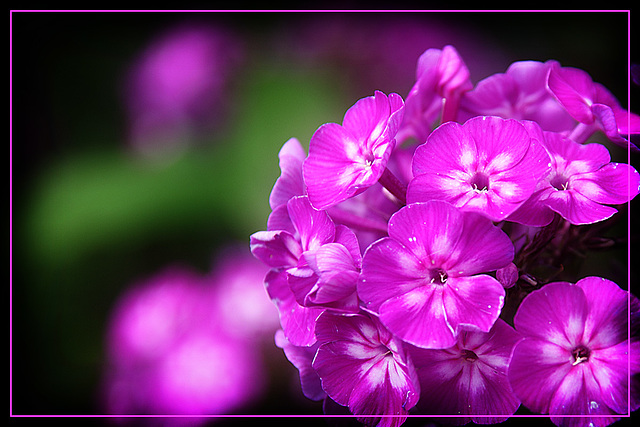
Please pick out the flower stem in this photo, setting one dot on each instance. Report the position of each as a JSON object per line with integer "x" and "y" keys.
{"x": 581, "y": 132}
{"x": 354, "y": 221}
{"x": 389, "y": 181}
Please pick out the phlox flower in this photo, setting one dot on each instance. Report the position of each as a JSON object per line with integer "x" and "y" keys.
{"x": 593, "y": 105}
{"x": 520, "y": 93}
{"x": 576, "y": 352}
{"x": 425, "y": 280}
{"x": 581, "y": 183}
{"x": 469, "y": 378}
{"x": 488, "y": 164}
{"x": 361, "y": 365}
{"x": 442, "y": 77}
{"x": 315, "y": 265}
{"x": 346, "y": 159}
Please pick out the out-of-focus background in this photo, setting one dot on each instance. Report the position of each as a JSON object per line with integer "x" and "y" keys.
{"x": 143, "y": 150}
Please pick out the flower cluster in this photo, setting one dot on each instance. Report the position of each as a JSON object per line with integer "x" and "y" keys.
{"x": 406, "y": 250}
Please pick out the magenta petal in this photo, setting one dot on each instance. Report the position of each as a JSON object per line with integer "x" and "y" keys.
{"x": 358, "y": 367}
{"x": 385, "y": 389}
{"x": 301, "y": 358}
{"x": 536, "y": 370}
{"x": 419, "y": 317}
{"x": 367, "y": 118}
{"x": 555, "y": 313}
{"x": 298, "y": 323}
{"x": 574, "y": 89}
{"x": 275, "y": 248}
{"x": 349, "y": 240}
{"x": 314, "y": 226}
{"x": 579, "y": 394}
{"x": 610, "y": 367}
{"x": 338, "y": 166}
{"x": 606, "y": 324}
{"x": 290, "y": 182}
{"x": 614, "y": 183}
{"x": 453, "y": 384}
{"x": 578, "y": 209}
{"x": 474, "y": 301}
{"x": 430, "y": 230}
{"x": 482, "y": 247}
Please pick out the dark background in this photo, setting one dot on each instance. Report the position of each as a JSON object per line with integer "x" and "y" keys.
{"x": 79, "y": 234}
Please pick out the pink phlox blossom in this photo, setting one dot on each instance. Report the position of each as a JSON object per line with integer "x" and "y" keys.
{"x": 346, "y": 159}
{"x": 315, "y": 265}
{"x": 426, "y": 281}
{"x": 593, "y": 105}
{"x": 366, "y": 213}
{"x": 442, "y": 78}
{"x": 488, "y": 164}
{"x": 520, "y": 93}
{"x": 361, "y": 365}
{"x": 581, "y": 183}
{"x": 574, "y": 358}
{"x": 469, "y": 378}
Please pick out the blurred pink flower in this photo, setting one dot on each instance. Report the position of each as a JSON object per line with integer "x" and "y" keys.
{"x": 175, "y": 88}
{"x": 182, "y": 343}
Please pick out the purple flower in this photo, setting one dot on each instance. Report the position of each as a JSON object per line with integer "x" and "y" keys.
{"x": 363, "y": 366}
{"x": 169, "y": 352}
{"x": 592, "y": 105}
{"x": 574, "y": 358}
{"x": 176, "y": 87}
{"x": 582, "y": 181}
{"x": 441, "y": 79}
{"x": 469, "y": 378}
{"x": 424, "y": 279}
{"x": 520, "y": 93}
{"x": 346, "y": 159}
{"x": 315, "y": 264}
{"x": 488, "y": 164}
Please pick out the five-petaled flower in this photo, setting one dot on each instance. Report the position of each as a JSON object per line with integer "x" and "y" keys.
{"x": 576, "y": 352}
{"x": 425, "y": 280}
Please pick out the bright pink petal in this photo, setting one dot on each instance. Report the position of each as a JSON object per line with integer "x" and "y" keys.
{"x": 275, "y": 248}
{"x": 606, "y": 324}
{"x": 614, "y": 183}
{"x": 290, "y": 182}
{"x": 579, "y": 394}
{"x": 575, "y": 90}
{"x": 388, "y": 270}
{"x": 301, "y": 358}
{"x": 474, "y": 302}
{"x": 482, "y": 247}
{"x": 419, "y": 317}
{"x": 315, "y": 227}
{"x": 555, "y": 313}
{"x": 430, "y": 230}
{"x": 536, "y": 370}
{"x": 298, "y": 323}
{"x": 576, "y": 208}
{"x": 355, "y": 365}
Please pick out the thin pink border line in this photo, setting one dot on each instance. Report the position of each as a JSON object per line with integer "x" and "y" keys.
{"x": 328, "y": 10}
{"x": 324, "y": 416}
{"x": 628, "y": 415}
